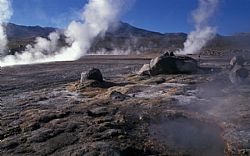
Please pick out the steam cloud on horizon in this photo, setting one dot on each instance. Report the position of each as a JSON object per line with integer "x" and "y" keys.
{"x": 97, "y": 17}
{"x": 203, "y": 33}
{"x": 5, "y": 14}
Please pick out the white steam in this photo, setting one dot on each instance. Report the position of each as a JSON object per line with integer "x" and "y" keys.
{"x": 5, "y": 14}
{"x": 203, "y": 32}
{"x": 97, "y": 17}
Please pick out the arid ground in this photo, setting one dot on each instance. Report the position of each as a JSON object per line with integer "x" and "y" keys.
{"x": 44, "y": 112}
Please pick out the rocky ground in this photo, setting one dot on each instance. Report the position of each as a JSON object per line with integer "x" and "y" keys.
{"x": 45, "y": 112}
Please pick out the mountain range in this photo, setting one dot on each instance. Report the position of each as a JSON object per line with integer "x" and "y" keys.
{"x": 126, "y": 38}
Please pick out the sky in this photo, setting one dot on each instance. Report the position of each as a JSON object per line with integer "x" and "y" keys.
{"x": 163, "y": 16}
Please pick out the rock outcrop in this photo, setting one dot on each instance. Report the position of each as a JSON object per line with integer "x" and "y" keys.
{"x": 238, "y": 73}
{"x": 237, "y": 60}
{"x": 170, "y": 65}
{"x": 93, "y": 78}
{"x": 145, "y": 70}
{"x": 94, "y": 74}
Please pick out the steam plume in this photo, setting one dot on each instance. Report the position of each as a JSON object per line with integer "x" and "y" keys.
{"x": 203, "y": 32}
{"x": 5, "y": 14}
{"x": 98, "y": 15}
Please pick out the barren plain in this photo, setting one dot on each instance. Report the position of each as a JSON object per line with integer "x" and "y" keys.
{"x": 43, "y": 112}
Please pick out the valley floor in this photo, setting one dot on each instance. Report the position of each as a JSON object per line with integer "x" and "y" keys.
{"x": 43, "y": 112}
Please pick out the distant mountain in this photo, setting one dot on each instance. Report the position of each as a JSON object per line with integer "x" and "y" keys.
{"x": 20, "y": 32}
{"x": 126, "y": 38}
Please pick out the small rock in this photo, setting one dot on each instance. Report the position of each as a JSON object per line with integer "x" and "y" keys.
{"x": 144, "y": 117}
{"x": 41, "y": 135}
{"x": 109, "y": 133}
{"x": 118, "y": 96}
{"x": 56, "y": 143}
{"x": 11, "y": 145}
{"x": 94, "y": 74}
{"x": 97, "y": 112}
{"x": 159, "y": 80}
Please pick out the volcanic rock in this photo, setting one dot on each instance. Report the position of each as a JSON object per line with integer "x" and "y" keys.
{"x": 238, "y": 74}
{"x": 118, "y": 96}
{"x": 237, "y": 60}
{"x": 99, "y": 111}
{"x": 145, "y": 70}
{"x": 166, "y": 54}
{"x": 172, "y": 53}
{"x": 94, "y": 79}
{"x": 94, "y": 74}
{"x": 173, "y": 65}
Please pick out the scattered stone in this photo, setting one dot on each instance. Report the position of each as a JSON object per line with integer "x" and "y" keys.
{"x": 56, "y": 143}
{"x": 41, "y": 135}
{"x": 118, "y": 96}
{"x": 111, "y": 133}
{"x": 9, "y": 144}
{"x": 31, "y": 126}
{"x": 51, "y": 116}
{"x": 159, "y": 80}
{"x": 97, "y": 112}
{"x": 12, "y": 131}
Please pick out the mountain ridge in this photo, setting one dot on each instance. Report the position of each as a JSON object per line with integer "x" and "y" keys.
{"x": 124, "y": 37}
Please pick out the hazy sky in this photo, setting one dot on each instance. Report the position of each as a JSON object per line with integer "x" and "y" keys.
{"x": 156, "y": 15}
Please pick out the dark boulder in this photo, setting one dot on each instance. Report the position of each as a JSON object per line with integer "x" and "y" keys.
{"x": 173, "y": 65}
{"x": 172, "y": 53}
{"x": 166, "y": 54}
{"x": 94, "y": 79}
{"x": 94, "y": 74}
{"x": 237, "y": 60}
{"x": 238, "y": 74}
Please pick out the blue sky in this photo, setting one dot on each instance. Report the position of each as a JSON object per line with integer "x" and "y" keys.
{"x": 157, "y": 15}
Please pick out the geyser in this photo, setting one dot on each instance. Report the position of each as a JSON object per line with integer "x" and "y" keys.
{"x": 5, "y": 14}
{"x": 203, "y": 33}
{"x": 97, "y": 17}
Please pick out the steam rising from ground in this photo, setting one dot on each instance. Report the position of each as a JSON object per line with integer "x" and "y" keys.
{"x": 97, "y": 17}
{"x": 203, "y": 33}
{"x": 5, "y": 14}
